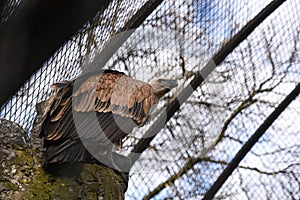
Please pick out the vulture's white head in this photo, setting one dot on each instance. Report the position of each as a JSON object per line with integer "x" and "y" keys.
{"x": 162, "y": 86}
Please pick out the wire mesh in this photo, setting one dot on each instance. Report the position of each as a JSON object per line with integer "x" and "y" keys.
{"x": 66, "y": 63}
{"x": 8, "y": 9}
{"x": 194, "y": 147}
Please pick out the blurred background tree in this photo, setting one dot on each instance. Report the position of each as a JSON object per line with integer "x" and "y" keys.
{"x": 176, "y": 40}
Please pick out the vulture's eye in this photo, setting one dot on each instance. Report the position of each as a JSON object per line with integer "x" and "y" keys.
{"x": 161, "y": 81}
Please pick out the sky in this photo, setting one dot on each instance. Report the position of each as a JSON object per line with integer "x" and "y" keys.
{"x": 215, "y": 23}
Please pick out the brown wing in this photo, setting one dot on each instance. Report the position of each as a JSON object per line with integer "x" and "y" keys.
{"x": 117, "y": 102}
{"x": 116, "y": 93}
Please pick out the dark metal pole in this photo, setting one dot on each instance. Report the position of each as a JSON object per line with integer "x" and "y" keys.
{"x": 250, "y": 143}
{"x": 174, "y": 106}
{"x": 120, "y": 38}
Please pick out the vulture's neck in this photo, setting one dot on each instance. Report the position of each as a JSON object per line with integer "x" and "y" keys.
{"x": 161, "y": 92}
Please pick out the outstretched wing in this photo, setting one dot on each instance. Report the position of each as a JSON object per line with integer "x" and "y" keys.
{"x": 85, "y": 108}
{"x": 117, "y": 93}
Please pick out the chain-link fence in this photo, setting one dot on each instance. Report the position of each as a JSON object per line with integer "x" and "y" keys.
{"x": 176, "y": 40}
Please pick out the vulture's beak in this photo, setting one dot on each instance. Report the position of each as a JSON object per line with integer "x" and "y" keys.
{"x": 162, "y": 86}
{"x": 170, "y": 83}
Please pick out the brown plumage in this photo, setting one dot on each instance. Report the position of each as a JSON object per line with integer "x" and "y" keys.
{"x": 90, "y": 114}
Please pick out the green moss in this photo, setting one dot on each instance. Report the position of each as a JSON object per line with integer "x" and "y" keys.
{"x": 25, "y": 178}
{"x": 10, "y": 186}
{"x": 25, "y": 157}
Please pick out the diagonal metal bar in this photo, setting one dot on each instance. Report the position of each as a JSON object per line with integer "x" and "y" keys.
{"x": 250, "y": 143}
{"x": 120, "y": 38}
{"x": 174, "y": 106}
{"x": 62, "y": 25}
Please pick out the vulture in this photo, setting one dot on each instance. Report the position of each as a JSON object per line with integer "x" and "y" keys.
{"x": 88, "y": 116}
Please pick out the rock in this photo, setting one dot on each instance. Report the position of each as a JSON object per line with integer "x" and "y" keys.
{"x": 22, "y": 175}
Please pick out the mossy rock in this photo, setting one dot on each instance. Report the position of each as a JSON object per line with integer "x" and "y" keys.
{"x": 22, "y": 175}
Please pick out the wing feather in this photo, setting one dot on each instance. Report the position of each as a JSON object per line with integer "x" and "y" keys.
{"x": 107, "y": 92}
{"x": 120, "y": 103}
{"x": 116, "y": 93}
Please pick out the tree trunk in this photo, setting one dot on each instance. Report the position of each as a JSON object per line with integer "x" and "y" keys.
{"x": 22, "y": 175}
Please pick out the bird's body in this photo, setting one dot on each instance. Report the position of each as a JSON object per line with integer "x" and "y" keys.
{"x": 89, "y": 115}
